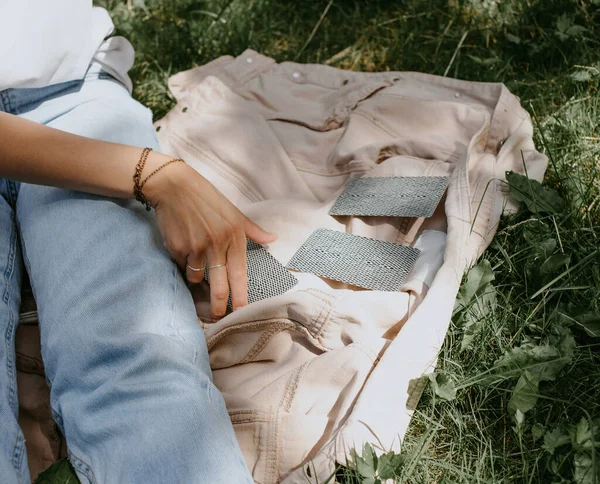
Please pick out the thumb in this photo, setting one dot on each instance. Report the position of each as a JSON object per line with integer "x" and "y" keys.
{"x": 256, "y": 233}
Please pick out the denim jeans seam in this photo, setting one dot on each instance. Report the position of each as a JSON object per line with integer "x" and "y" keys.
{"x": 18, "y": 451}
{"x": 10, "y": 108}
{"x": 9, "y": 340}
{"x": 3, "y": 104}
{"x": 9, "y": 337}
{"x": 10, "y": 263}
{"x": 5, "y": 98}
{"x": 82, "y": 467}
{"x": 57, "y": 417}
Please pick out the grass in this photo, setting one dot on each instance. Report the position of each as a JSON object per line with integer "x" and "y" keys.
{"x": 521, "y": 342}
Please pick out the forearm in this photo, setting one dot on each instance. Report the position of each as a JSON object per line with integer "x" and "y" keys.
{"x": 34, "y": 153}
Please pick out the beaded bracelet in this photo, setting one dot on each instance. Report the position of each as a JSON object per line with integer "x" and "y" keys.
{"x": 137, "y": 185}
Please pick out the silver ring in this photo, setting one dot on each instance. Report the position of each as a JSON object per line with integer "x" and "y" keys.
{"x": 195, "y": 269}
{"x": 217, "y": 265}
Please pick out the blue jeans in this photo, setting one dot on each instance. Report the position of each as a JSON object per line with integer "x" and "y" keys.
{"x": 131, "y": 386}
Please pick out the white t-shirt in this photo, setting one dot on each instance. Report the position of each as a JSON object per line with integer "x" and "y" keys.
{"x": 44, "y": 42}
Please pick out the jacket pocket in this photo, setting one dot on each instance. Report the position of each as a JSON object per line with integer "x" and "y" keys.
{"x": 320, "y": 108}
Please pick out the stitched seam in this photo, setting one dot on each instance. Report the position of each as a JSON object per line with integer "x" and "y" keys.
{"x": 2, "y": 96}
{"x": 325, "y": 315}
{"x": 7, "y": 103}
{"x": 243, "y": 412}
{"x": 246, "y": 326}
{"x": 18, "y": 451}
{"x": 10, "y": 263}
{"x": 222, "y": 170}
{"x": 248, "y": 418}
{"x": 291, "y": 387}
{"x": 340, "y": 170}
{"x": 272, "y": 458}
{"x": 58, "y": 419}
{"x": 82, "y": 467}
{"x": 289, "y": 324}
{"x": 10, "y": 107}
{"x": 263, "y": 340}
{"x": 9, "y": 339}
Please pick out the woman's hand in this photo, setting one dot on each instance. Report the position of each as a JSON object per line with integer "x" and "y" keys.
{"x": 200, "y": 227}
{"x": 198, "y": 224}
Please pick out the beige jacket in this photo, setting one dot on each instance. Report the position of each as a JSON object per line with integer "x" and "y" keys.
{"x": 311, "y": 374}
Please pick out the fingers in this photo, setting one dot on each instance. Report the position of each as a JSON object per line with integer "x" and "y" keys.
{"x": 194, "y": 269}
{"x": 237, "y": 271}
{"x": 216, "y": 259}
{"x": 256, "y": 233}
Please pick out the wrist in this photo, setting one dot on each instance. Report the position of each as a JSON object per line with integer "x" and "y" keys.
{"x": 162, "y": 182}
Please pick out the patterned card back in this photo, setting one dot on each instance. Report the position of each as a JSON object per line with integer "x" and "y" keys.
{"x": 360, "y": 261}
{"x": 415, "y": 196}
{"x": 266, "y": 276}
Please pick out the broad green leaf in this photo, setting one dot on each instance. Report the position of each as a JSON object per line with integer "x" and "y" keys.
{"x": 581, "y": 75}
{"x": 552, "y": 264}
{"x": 366, "y": 465}
{"x": 583, "y": 469}
{"x": 60, "y": 472}
{"x": 390, "y": 465}
{"x": 563, "y": 23}
{"x": 554, "y": 439}
{"x": 535, "y": 230}
{"x": 475, "y": 315}
{"x": 565, "y": 28}
{"x": 576, "y": 30}
{"x": 565, "y": 343}
{"x": 443, "y": 386}
{"x": 478, "y": 278}
{"x": 544, "y": 361}
{"x": 525, "y": 394}
{"x": 589, "y": 321}
{"x": 537, "y": 197}
{"x": 512, "y": 38}
{"x": 547, "y": 246}
{"x": 585, "y": 438}
{"x": 485, "y": 62}
{"x": 537, "y": 431}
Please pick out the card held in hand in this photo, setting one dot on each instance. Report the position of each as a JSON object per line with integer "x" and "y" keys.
{"x": 360, "y": 261}
{"x": 412, "y": 196}
{"x": 267, "y": 277}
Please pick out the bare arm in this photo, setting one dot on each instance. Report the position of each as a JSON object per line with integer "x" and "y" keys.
{"x": 198, "y": 224}
{"x": 34, "y": 153}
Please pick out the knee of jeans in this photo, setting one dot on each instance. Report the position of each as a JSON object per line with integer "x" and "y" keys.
{"x": 134, "y": 358}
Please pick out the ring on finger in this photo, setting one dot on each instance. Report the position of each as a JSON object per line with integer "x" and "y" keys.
{"x": 195, "y": 269}
{"x": 216, "y": 265}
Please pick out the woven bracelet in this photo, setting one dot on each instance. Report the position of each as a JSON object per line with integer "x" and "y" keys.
{"x": 137, "y": 185}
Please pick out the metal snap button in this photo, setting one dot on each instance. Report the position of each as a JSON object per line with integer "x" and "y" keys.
{"x": 296, "y": 75}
